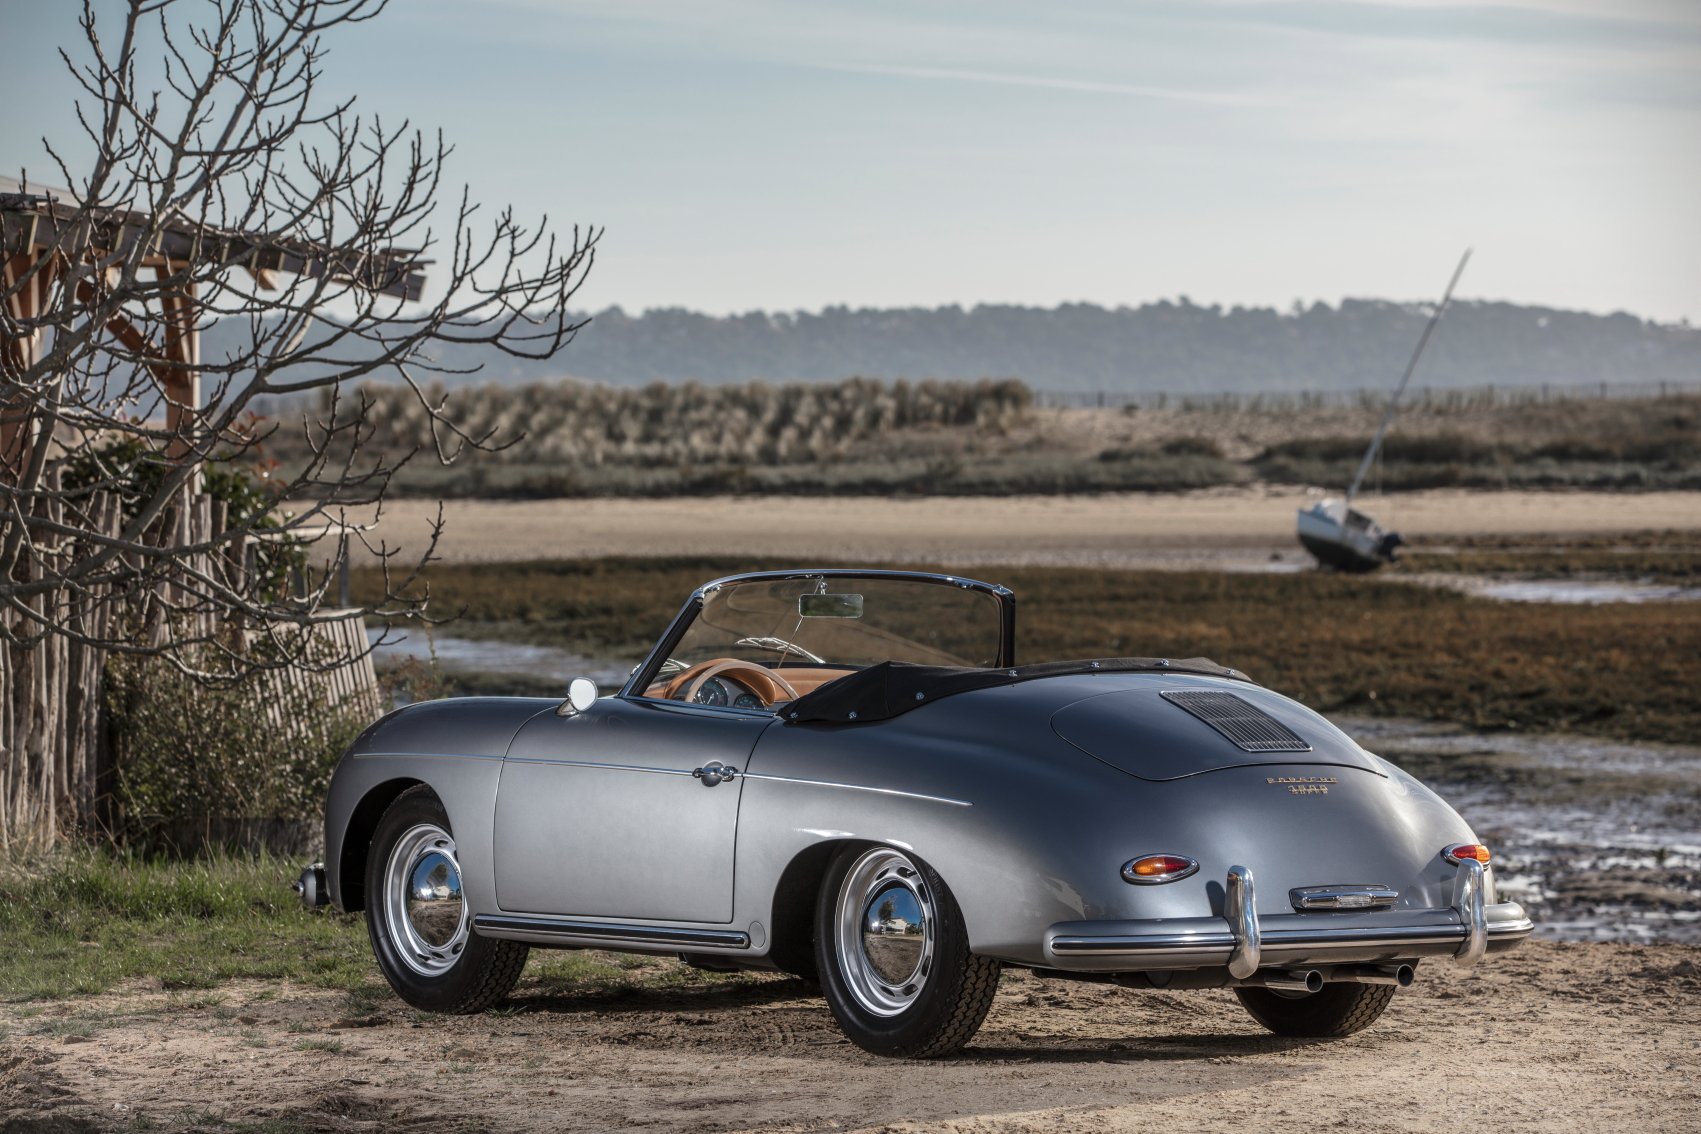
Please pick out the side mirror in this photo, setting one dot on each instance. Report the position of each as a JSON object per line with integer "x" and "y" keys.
{"x": 581, "y": 695}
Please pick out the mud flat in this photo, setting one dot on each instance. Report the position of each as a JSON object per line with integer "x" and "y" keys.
{"x": 1600, "y": 840}
{"x": 1229, "y": 528}
{"x": 1584, "y": 1037}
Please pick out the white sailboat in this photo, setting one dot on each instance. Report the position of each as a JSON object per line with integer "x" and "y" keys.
{"x": 1340, "y": 535}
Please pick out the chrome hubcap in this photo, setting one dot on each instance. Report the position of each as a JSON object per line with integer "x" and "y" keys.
{"x": 885, "y": 921}
{"x": 422, "y": 900}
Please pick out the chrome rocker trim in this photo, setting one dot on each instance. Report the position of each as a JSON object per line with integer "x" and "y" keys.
{"x": 1463, "y": 931}
{"x": 531, "y": 928}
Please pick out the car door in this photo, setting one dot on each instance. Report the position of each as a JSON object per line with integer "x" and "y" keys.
{"x": 601, "y": 815}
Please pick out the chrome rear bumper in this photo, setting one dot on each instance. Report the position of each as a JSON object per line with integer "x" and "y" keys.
{"x": 1464, "y": 931}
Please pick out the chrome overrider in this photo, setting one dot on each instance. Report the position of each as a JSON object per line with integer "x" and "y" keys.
{"x": 1285, "y": 950}
{"x": 1242, "y": 915}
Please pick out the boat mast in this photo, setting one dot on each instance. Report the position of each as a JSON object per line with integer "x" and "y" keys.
{"x": 1393, "y": 402}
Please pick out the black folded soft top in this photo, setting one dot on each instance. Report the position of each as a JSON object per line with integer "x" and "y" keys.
{"x": 889, "y": 689}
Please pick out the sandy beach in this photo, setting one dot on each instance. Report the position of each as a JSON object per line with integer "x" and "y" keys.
{"x": 1231, "y": 528}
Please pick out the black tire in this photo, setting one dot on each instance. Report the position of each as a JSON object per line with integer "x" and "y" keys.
{"x": 1337, "y": 1010}
{"x": 483, "y": 971}
{"x": 956, "y": 988}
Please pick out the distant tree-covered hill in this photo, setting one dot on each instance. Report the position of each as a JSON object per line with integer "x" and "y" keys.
{"x": 1166, "y": 346}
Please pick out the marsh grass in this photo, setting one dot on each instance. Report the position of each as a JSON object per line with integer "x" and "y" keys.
{"x": 1625, "y": 671}
{"x": 859, "y": 437}
{"x": 1656, "y": 556}
{"x": 79, "y": 922}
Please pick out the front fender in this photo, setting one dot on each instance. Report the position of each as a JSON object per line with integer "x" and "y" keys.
{"x": 455, "y": 747}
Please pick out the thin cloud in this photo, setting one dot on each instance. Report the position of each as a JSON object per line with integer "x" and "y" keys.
{"x": 1049, "y": 82}
{"x": 1533, "y": 24}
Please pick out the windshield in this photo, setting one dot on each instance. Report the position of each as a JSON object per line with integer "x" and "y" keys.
{"x": 807, "y": 631}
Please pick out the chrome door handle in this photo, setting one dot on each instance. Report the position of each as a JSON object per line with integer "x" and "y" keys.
{"x": 714, "y": 772}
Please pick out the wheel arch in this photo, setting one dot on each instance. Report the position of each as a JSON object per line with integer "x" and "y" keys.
{"x": 791, "y": 941}
{"x": 357, "y": 839}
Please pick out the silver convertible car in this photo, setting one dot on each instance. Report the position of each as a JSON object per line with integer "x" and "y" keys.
{"x": 846, "y": 776}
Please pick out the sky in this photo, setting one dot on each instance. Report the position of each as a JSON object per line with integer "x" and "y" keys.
{"x": 759, "y": 154}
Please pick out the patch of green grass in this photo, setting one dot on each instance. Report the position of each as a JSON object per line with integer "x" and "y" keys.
{"x": 364, "y": 999}
{"x": 194, "y": 1002}
{"x": 328, "y": 1046}
{"x": 79, "y": 922}
{"x": 70, "y": 1026}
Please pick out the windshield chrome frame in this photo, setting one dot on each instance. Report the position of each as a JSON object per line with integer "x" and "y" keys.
{"x": 642, "y": 677}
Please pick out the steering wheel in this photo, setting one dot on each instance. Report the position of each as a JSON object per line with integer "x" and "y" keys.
{"x": 764, "y": 683}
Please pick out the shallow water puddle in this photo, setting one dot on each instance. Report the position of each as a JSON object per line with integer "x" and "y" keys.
{"x": 1560, "y": 591}
{"x": 490, "y": 655}
{"x": 1575, "y": 591}
{"x": 1599, "y": 840}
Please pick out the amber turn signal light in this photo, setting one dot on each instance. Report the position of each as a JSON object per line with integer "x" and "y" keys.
{"x": 1458, "y": 852}
{"x": 1148, "y": 870}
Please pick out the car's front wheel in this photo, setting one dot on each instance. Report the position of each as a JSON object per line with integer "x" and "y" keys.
{"x": 893, "y": 956}
{"x": 420, "y": 926}
{"x": 1335, "y": 1010}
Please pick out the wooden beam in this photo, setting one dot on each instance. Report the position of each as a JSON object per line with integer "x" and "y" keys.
{"x": 39, "y": 220}
{"x": 172, "y": 366}
{"x": 19, "y": 352}
{"x": 183, "y": 356}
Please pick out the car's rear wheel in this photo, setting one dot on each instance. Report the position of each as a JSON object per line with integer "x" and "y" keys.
{"x": 893, "y": 956}
{"x": 420, "y": 926}
{"x": 1335, "y": 1010}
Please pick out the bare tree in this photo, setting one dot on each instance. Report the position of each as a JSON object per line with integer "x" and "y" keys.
{"x": 223, "y": 190}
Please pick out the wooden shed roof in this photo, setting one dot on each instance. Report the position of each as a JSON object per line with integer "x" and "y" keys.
{"x": 31, "y": 217}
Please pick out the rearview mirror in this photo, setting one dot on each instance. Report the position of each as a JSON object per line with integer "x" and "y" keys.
{"x": 829, "y": 606}
{"x": 581, "y": 695}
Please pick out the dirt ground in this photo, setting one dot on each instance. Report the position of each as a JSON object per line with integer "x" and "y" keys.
{"x": 1231, "y": 528}
{"x": 1555, "y": 1037}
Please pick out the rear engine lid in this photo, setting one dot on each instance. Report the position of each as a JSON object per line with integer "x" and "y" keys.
{"x": 1168, "y": 730}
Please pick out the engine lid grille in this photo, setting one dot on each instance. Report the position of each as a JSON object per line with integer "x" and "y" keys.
{"x": 1250, "y": 728}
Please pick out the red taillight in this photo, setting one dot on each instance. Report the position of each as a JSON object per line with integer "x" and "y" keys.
{"x": 1458, "y": 852}
{"x": 1153, "y": 868}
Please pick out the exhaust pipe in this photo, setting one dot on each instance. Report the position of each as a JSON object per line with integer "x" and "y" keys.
{"x": 1401, "y": 975}
{"x": 1297, "y": 980}
{"x": 310, "y": 887}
